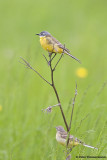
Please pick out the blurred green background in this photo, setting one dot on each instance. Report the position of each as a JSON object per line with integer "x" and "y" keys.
{"x": 25, "y": 131}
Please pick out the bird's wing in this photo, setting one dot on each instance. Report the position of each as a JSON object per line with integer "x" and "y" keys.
{"x": 66, "y": 49}
{"x": 53, "y": 40}
{"x": 65, "y": 136}
{"x": 71, "y": 138}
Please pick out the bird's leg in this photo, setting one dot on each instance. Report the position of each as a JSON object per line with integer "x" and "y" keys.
{"x": 50, "y": 54}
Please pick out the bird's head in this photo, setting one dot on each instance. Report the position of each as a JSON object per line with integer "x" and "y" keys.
{"x": 43, "y": 33}
{"x": 60, "y": 129}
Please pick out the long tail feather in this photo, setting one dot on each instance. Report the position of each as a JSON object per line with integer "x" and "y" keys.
{"x": 73, "y": 57}
{"x": 89, "y": 146}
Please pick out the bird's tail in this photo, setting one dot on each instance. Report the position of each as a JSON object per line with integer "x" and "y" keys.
{"x": 72, "y": 56}
{"x": 89, "y": 146}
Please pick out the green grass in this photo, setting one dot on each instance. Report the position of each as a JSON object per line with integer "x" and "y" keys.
{"x": 26, "y": 133}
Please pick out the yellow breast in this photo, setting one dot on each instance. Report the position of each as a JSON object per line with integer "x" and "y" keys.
{"x": 50, "y": 46}
{"x": 44, "y": 43}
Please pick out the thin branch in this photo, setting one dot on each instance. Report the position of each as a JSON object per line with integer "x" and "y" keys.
{"x": 51, "y": 84}
{"x": 59, "y": 58}
{"x": 101, "y": 89}
{"x": 69, "y": 104}
{"x": 72, "y": 114}
{"x": 48, "y": 62}
{"x": 77, "y": 128}
{"x": 30, "y": 67}
{"x": 73, "y": 107}
{"x": 53, "y": 57}
{"x": 49, "y": 109}
{"x": 45, "y": 58}
{"x": 68, "y": 157}
{"x": 58, "y": 62}
{"x": 56, "y": 93}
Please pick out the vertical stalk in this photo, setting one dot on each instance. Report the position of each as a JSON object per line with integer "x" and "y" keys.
{"x": 57, "y": 96}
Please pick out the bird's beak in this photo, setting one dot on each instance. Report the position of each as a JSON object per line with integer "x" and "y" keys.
{"x": 37, "y": 34}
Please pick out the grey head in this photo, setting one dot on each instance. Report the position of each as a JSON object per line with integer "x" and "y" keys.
{"x": 43, "y": 33}
{"x": 60, "y": 129}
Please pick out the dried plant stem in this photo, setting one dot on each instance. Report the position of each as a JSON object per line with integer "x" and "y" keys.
{"x": 52, "y": 81}
{"x": 52, "y": 84}
{"x": 58, "y": 61}
{"x": 73, "y": 107}
{"x": 30, "y": 67}
{"x": 56, "y": 93}
{"x": 72, "y": 114}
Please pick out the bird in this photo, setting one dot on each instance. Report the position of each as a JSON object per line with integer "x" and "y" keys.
{"x": 50, "y": 44}
{"x": 62, "y": 136}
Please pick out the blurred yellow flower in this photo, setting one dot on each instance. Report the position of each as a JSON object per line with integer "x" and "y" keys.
{"x": 0, "y": 108}
{"x": 82, "y": 72}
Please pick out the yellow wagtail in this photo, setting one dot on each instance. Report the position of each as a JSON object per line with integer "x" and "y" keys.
{"x": 50, "y": 44}
{"x": 61, "y": 137}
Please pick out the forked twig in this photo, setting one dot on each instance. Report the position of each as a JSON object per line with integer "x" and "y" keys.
{"x": 53, "y": 57}
{"x": 58, "y": 62}
{"x": 56, "y": 93}
{"x": 59, "y": 58}
{"x": 51, "y": 84}
{"x": 30, "y": 67}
